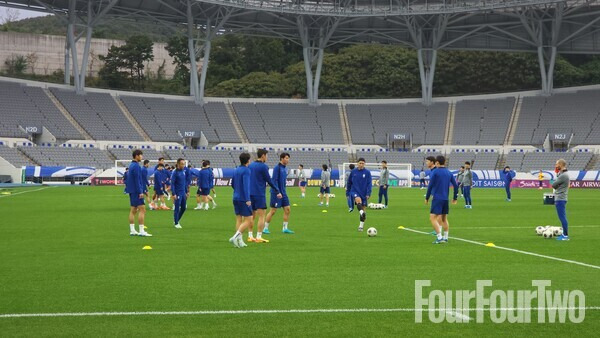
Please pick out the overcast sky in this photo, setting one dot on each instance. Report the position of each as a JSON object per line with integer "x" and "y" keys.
{"x": 22, "y": 13}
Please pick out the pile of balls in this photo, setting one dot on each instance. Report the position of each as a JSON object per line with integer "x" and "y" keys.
{"x": 548, "y": 231}
{"x": 376, "y": 206}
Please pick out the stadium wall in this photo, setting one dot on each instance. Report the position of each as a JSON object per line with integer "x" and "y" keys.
{"x": 47, "y": 53}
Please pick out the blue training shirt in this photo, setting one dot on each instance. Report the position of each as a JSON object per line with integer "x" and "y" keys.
{"x": 145, "y": 177}
{"x": 178, "y": 182}
{"x": 134, "y": 183}
{"x": 279, "y": 179}
{"x": 439, "y": 184}
{"x": 241, "y": 184}
{"x": 259, "y": 178}
{"x": 204, "y": 178}
{"x": 159, "y": 179}
{"x": 360, "y": 182}
{"x": 508, "y": 176}
{"x": 211, "y": 178}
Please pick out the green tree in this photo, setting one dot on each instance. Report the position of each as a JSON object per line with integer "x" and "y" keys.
{"x": 177, "y": 47}
{"x": 127, "y": 62}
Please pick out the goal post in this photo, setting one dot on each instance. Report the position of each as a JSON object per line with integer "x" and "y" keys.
{"x": 120, "y": 165}
{"x": 401, "y": 174}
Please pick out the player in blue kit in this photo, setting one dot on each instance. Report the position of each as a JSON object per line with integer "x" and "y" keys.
{"x": 280, "y": 180}
{"x": 348, "y": 197}
{"x": 146, "y": 184}
{"x": 259, "y": 178}
{"x": 360, "y": 184}
{"x": 134, "y": 186}
{"x": 159, "y": 184}
{"x": 180, "y": 192}
{"x": 242, "y": 205}
{"x": 508, "y": 176}
{"x": 205, "y": 182}
{"x": 439, "y": 185}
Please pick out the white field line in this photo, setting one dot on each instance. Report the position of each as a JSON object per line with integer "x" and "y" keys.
{"x": 529, "y": 227}
{"x": 24, "y": 192}
{"x": 243, "y": 312}
{"x": 513, "y": 250}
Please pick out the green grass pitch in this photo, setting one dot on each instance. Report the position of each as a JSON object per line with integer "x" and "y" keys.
{"x": 68, "y": 249}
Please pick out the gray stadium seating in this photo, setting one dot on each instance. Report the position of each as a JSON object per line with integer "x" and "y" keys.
{"x": 217, "y": 158}
{"x": 59, "y": 156}
{"x": 125, "y": 154}
{"x": 290, "y": 123}
{"x": 578, "y": 113}
{"x": 30, "y": 106}
{"x": 370, "y": 124}
{"x": 482, "y": 122}
{"x": 14, "y": 156}
{"x": 219, "y": 119}
{"x": 98, "y": 114}
{"x": 546, "y": 160}
{"x": 162, "y": 119}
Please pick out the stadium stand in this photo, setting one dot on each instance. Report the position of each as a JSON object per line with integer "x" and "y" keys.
{"x": 125, "y": 154}
{"x": 163, "y": 119}
{"x": 30, "y": 106}
{"x": 482, "y": 122}
{"x": 14, "y": 157}
{"x": 290, "y": 123}
{"x": 217, "y": 158}
{"x": 98, "y": 114}
{"x": 578, "y": 113}
{"x": 546, "y": 160}
{"x": 219, "y": 118}
{"x": 61, "y": 156}
{"x": 370, "y": 124}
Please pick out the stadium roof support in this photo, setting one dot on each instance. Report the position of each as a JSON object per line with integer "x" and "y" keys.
{"x": 545, "y": 27}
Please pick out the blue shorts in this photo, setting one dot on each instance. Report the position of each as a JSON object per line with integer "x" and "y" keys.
{"x": 135, "y": 200}
{"x": 303, "y": 184}
{"x": 158, "y": 191}
{"x": 362, "y": 198}
{"x": 325, "y": 190}
{"x": 439, "y": 207}
{"x": 279, "y": 203}
{"x": 242, "y": 209}
{"x": 203, "y": 191}
{"x": 258, "y": 202}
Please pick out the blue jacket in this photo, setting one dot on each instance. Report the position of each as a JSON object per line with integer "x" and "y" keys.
{"x": 212, "y": 178}
{"x": 134, "y": 183}
{"x": 241, "y": 184}
{"x": 159, "y": 178}
{"x": 204, "y": 178}
{"x": 508, "y": 176}
{"x": 259, "y": 178}
{"x": 145, "y": 178}
{"x": 360, "y": 182}
{"x": 279, "y": 179}
{"x": 188, "y": 177}
{"x": 178, "y": 182}
{"x": 439, "y": 184}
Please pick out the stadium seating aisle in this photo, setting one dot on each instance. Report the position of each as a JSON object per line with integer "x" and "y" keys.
{"x": 482, "y": 122}
{"x": 60, "y": 156}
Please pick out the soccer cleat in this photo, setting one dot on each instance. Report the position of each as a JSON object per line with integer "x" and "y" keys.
{"x": 287, "y": 231}
{"x": 164, "y": 207}
{"x": 144, "y": 234}
{"x": 198, "y": 208}
{"x": 177, "y": 226}
{"x": 360, "y": 229}
{"x": 214, "y": 206}
{"x": 438, "y": 241}
{"x": 508, "y": 200}
{"x": 234, "y": 241}
{"x": 240, "y": 241}
{"x": 445, "y": 240}
{"x": 133, "y": 233}
{"x": 562, "y": 238}
{"x": 350, "y": 210}
{"x": 433, "y": 233}
{"x": 261, "y": 240}
{"x": 266, "y": 231}
{"x": 321, "y": 204}
{"x": 251, "y": 239}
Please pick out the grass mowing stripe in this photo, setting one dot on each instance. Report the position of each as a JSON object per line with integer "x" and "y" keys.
{"x": 513, "y": 250}
{"x": 244, "y": 312}
{"x": 24, "y": 192}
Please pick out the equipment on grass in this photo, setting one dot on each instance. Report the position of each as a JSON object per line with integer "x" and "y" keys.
{"x": 539, "y": 230}
{"x": 330, "y": 195}
{"x": 400, "y": 174}
{"x": 557, "y": 231}
{"x": 371, "y": 232}
{"x": 549, "y": 199}
{"x": 376, "y": 206}
{"x": 548, "y": 233}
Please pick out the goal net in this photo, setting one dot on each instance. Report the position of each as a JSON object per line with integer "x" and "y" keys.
{"x": 400, "y": 174}
{"x": 120, "y": 165}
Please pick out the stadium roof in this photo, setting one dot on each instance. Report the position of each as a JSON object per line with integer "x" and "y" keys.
{"x": 546, "y": 27}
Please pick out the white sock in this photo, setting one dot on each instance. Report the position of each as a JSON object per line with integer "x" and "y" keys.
{"x": 214, "y": 203}
{"x": 361, "y": 224}
{"x": 439, "y": 236}
{"x": 250, "y": 234}
{"x": 445, "y": 234}
{"x": 361, "y": 212}
{"x": 237, "y": 233}
{"x": 142, "y": 228}
{"x": 206, "y": 206}
{"x": 267, "y": 225}
{"x": 132, "y": 227}
{"x": 302, "y": 194}
{"x": 259, "y": 235}
{"x": 285, "y": 225}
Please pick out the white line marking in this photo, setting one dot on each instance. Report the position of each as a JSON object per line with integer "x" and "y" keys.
{"x": 514, "y": 250}
{"x": 24, "y": 192}
{"x": 242, "y": 312}
{"x": 529, "y": 227}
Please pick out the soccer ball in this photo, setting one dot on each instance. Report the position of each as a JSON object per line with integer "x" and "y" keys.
{"x": 557, "y": 231}
{"x": 372, "y": 232}
{"x": 539, "y": 230}
{"x": 548, "y": 233}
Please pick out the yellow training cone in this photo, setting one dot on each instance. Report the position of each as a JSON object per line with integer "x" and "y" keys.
{"x": 145, "y": 227}
{"x": 147, "y": 247}
{"x": 491, "y": 245}
{"x": 294, "y": 205}
{"x": 401, "y": 227}
{"x": 324, "y": 211}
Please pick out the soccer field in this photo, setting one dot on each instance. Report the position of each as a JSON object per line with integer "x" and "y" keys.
{"x": 68, "y": 250}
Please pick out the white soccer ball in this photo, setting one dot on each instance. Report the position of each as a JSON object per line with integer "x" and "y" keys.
{"x": 557, "y": 231}
{"x": 539, "y": 230}
{"x": 371, "y": 232}
{"x": 548, "y": 233}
